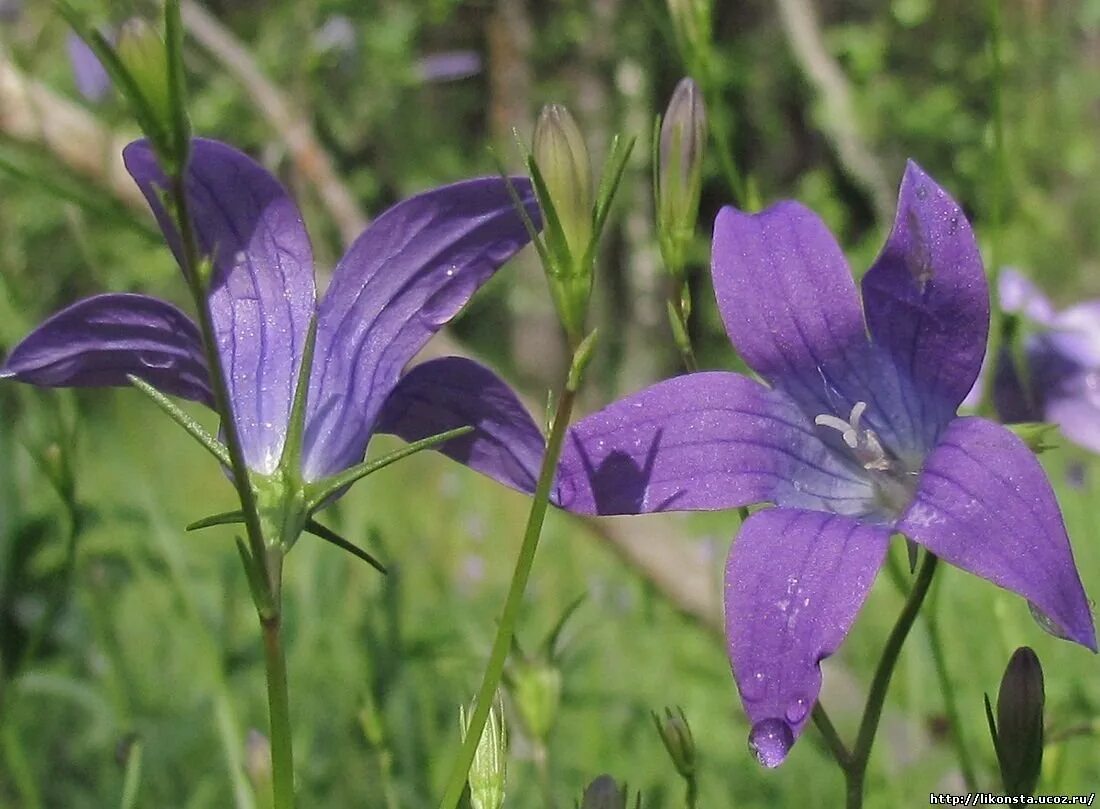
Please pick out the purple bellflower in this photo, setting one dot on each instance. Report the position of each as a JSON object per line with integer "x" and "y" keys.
{"x": 852, "y": 435}
{"x": 409, "y": 273}
{"x": 1059, "y": 381}
{"x": 89, "y": 74}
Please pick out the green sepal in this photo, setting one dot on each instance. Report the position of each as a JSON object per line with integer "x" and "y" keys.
{"x": 292, "y": 446}
{"x": 257, "y": 581}
{"x": 562, "y": 262}
{"x": 330, "y": 536}
{"x": 612, "y": 175}
{"x": 992, "y": 722}
{"x": 196, "y": 430}
{"x": 311, "y": 527}
{"x": 318, "y": 492}
{"x": 581, "y": 358}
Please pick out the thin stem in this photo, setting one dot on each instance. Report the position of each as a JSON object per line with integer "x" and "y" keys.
{"x": 191, "y": 262}
{"x": 282, "y": 754}
{"x": 680, "y": 309}
{"x": 876, "y": 697}
{"x": 947, "y": 688}
{"x": 506, "y": 629}
{"x": 830, "y": 736}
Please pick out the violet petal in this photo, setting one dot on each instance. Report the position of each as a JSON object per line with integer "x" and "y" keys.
{"x": 406, "y": 276}
{"x": 262, "y": 294}
{"x": 984, "y": 504}
{"x": 91, "y": 78}
{"x": 709, "y": 440}
{"x": 453, "y": 392}
{"x": 100, "y": 340}
{"x": 926, "y": 298}
{"x": 795, "y": 581}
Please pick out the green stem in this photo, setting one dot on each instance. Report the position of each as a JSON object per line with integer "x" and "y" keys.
{"x": 506, "y": 629}
{"x": 282, "y": 754}
{"x": 950, "y": 705}
{"x": 830, "y": 736}
{"x": 876, "y": 697}
{"x": 680, "y": 301}
{"x": 191, "y": 263}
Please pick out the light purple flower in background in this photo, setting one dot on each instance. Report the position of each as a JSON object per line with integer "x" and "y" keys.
{"x": 91, "y": 78}
{"x": 1060, "y": 382}
{"x": 10, "y": 10}
{"x": 409, "y": 273}
{"x": 853, "y": 438}
{"x": 448, "y": 66}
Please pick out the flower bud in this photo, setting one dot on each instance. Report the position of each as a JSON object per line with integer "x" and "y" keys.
{"x": 142, "y": 52}
{"x": 489, "y": 770}
{"x": 680, "y": 172}
{"x": 1018, "y": 733}
{"x": 562, "y": 159}
{"x": 604, "y": 793}
{"x": 676, "y": 735}
{"x": 536, "y": 689}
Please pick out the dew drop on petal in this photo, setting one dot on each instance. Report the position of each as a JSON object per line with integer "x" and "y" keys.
{"x": 797, "y": 710}
{"x": 770, "y": 740}
{"x": 446, "y": 301}
{"x": 156, "y": 360}
{"x": 752, "y": 687}
{"x": 1046, "y": 623}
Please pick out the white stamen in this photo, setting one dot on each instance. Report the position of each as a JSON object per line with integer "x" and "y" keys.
{"x": 864, "y": 443}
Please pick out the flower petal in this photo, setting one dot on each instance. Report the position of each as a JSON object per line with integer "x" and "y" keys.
{"x": 705, "y": 441}
{"x": 926, "y": 298}
{"x": 795, "y": 581}
{"x": 262, "y": 294}
{"x": 1018, "y": 295}
{"x": 408, "y": 274}
{"x": 453, "y": 392}
{"x": 984, "y": 504}
{"x": 100, "y": 340}
{"x": 788, "y": 301}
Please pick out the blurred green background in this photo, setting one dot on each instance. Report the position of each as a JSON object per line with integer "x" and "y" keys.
{"x": 151, "y": 642}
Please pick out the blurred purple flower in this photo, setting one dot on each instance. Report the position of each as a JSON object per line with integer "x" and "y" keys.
{"x": 10, "y": 10}
{"x": 448, "y": 66}
{"x": 1060, "y": 382}
{"x": 337, "y": 33}
{"x": 856, "y": 438}
{"x": 409, "y": 273}
{"x": 91, "y": 78}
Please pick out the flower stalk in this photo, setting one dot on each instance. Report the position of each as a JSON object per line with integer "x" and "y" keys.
{"x": 506, "y": 628}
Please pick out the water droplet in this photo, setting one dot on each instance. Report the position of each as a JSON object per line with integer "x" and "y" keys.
{"x": 156, "y": 360}
{"x": 797, "y": 710}
{"x": 770, "y": 740}
{"x": 1046, "y": 623}
{"x": 753, "y": 687}
{"x": 922, "y": 192}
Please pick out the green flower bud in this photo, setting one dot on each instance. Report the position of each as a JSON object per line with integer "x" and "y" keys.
{"x": 536, "y": 688}
{"x": 142, "y": 52}
{"x": 1018, "y": 732}
{"x": 676, "y": 735}
{"x": 562, "y": 159}
{"x": 604, "y": 793}
{"x": 679, "y": 174}
{"x": 489, "y": 771}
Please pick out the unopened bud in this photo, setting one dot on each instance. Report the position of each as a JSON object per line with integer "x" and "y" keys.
{"x": 676, "y": 735}
{"x": 536, "y": 689}
{"x": 489, "y": 770}
{"x": 604, "y": 793}
{"x": 1018, "y": 733}
{"x": 680, "y": 172}
{"x": 562, "y": 159}
{"x": 143, "y": 53}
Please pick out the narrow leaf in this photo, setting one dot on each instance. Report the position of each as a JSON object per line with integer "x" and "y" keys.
{"x": 317, "y": 493}
{"x": 225, "y": 518}
{"x": 327, "y": 534}
{"x": 197, "y": 431}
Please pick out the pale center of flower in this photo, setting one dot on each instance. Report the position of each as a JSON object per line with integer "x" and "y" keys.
{"x": 893, "y": 481}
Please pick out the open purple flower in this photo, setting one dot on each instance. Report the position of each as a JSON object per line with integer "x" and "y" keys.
{"x": 1059, "y": 381}
{"x": 854, "y": 437}
{"x": 409, "y": 273}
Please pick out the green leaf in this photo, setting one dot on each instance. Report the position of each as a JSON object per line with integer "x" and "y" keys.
{"x": 320, "y": 491}
{"x": 327, "y": 534}
{"x": 196, "y": 430}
